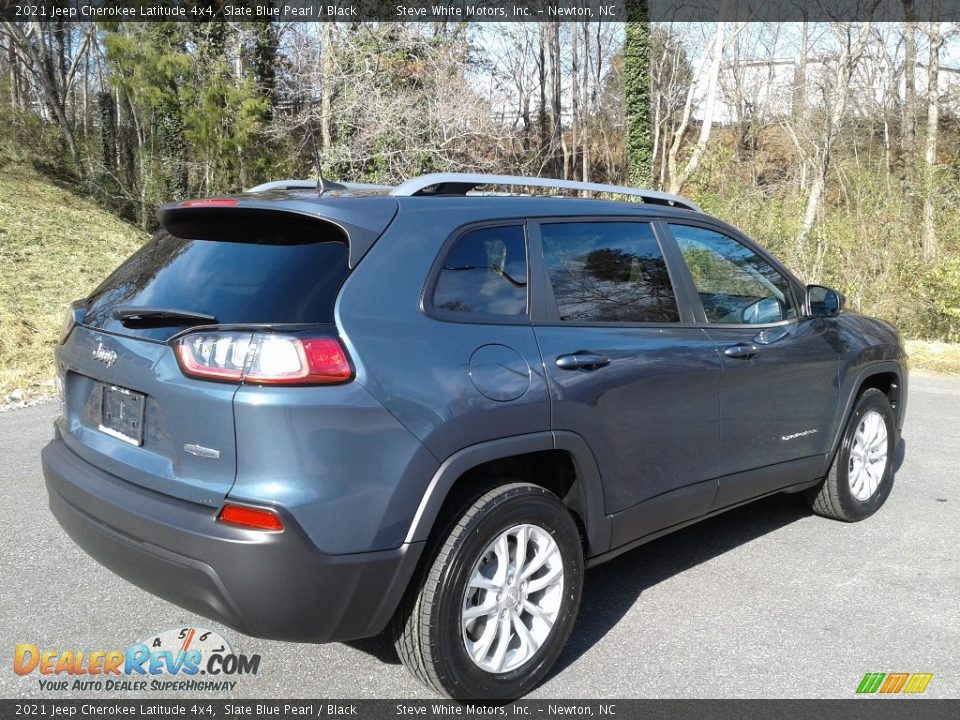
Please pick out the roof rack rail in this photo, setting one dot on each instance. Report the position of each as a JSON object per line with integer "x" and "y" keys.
{"x": 462, "y": 183}
{"x": 312, "y": 185}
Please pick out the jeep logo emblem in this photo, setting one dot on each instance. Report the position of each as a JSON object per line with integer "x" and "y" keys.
{"x": 105, "y": 355}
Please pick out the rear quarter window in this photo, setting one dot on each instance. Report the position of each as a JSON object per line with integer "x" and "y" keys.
{"x": 484, "y": 274}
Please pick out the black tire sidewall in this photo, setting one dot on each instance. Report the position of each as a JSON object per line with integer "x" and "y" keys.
{"x": 519, "y": 505}
{"x": 875, "y": 400}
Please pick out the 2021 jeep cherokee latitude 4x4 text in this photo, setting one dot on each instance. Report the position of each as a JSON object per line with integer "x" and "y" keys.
{"x": 315, "y": 415}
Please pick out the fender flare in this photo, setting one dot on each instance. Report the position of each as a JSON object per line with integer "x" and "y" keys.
{"x": 874, "y": 368}
{"x": 589, "y": 503}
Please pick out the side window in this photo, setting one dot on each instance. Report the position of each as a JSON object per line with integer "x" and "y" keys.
{"x": 734, "y": 283}
{"x": 485, "y": 273}
{"x": 608, "y": 272}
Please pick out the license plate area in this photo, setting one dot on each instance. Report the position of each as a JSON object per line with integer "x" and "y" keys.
{"x": 121, "y": 413}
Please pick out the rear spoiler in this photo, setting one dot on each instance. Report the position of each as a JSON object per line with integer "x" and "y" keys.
{"x": 358, "y": 222}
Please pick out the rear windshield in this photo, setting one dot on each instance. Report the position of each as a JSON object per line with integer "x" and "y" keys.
{"x": 235, "y": 282}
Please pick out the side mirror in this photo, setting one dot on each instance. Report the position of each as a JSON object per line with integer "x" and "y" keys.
{"x": 824, "y": 301}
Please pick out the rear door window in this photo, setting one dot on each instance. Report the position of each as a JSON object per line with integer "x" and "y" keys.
{"x": 608, "y": 272}
{"x": 484, "y": 274}
{"x": 235, "y": 282}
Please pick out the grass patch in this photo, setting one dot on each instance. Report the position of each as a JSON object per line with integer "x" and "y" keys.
{"x": 54, "y": 247}
{"x": 936, "y": 357}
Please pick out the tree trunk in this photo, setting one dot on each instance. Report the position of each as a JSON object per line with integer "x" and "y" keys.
{"x": 930, "y": 243}
{"x": 740, "y": 119}
{"x": 587, "y": 103}
{"x": 327, "y": 87}
{"x": 636, "y": 89}
{"x": 556, "y": 101}
{"x": 801, "y": 112}
{"x": 542, "y": 77}
{"x": 908, "y": 140}
{"x": 16, "y": 102}
{"x": 575, "y": 103}
{"x": 657, "y": 119}
{"x": 265, "y": 63}
{"x": 84, "y": 99}
{"x": 108, "y": 130}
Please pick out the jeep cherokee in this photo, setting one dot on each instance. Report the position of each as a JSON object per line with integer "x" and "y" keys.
{"x": 315, "y": 411}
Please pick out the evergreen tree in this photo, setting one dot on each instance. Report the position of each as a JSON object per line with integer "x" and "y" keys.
{"x": 195, "y": 104}
{"x": 636, "y": 81}
{"x": 265, "y": 58}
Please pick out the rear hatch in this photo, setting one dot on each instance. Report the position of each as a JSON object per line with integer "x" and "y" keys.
{"x": 129, "y": 408}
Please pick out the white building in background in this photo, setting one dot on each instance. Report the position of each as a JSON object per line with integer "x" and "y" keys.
{"x": 770, "y": 89}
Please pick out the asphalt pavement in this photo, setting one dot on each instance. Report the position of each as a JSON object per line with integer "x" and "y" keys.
{"x": 765, "y": 601}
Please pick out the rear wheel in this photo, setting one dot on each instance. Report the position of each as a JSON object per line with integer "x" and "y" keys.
{"x": 495, "y": 607}
{"x": 861, "y": 476}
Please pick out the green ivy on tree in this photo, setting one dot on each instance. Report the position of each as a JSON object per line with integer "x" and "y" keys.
{"x": 636, "y": 85}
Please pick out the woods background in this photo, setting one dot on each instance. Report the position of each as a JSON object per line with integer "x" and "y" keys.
{"x": 836, "y": 145}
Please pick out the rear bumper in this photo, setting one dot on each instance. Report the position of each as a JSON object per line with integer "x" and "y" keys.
{"x": 273, "y": 585}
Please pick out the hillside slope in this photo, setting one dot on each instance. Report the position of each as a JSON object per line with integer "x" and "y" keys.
{"x": 54, "y": 247}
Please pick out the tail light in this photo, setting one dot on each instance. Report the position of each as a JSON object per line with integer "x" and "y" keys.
{"x": 263, "y": 358}
{"x": 249, "y": 517}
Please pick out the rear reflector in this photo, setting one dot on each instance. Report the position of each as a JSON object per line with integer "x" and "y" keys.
{"x": 249, "y": 517}
{"x": 263, "y": 358}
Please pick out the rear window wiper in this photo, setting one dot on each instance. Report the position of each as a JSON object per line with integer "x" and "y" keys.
{"x": 160, "y": 317}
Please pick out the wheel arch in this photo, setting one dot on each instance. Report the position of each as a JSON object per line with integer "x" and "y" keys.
{"x": 887, "y": 376}
{"x": 890, "y": 383}
{"x": 576, "y": 480}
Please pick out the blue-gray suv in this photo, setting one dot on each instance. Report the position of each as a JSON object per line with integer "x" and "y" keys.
{"x": 316, "y": 411}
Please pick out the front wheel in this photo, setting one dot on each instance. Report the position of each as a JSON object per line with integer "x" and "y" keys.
{"x": 496, "y": 605}
{"x": 861, "y": 476}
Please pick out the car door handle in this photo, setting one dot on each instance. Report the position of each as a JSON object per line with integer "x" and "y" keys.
{"x": 582, "y": 360}
{"x": 742, "y": 351}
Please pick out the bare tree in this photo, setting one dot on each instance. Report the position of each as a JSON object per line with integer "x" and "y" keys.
{"x": 514, "y": 72}
{"x": 886, "y": 76}
{"x": 44, "y": 55}
{"x": 851, "y": 49}
{"x": 678, "y": 178}
{"x": 672, "y": 78}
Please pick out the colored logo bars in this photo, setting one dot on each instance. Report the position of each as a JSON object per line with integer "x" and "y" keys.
{"x": 889, "y": 683}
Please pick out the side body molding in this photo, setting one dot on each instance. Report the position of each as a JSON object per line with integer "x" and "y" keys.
{"x": 588, "y": 502}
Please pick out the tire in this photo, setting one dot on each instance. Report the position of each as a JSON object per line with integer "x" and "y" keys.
{"x": 430, "y": 633}
{"x": 846, "y": 493}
